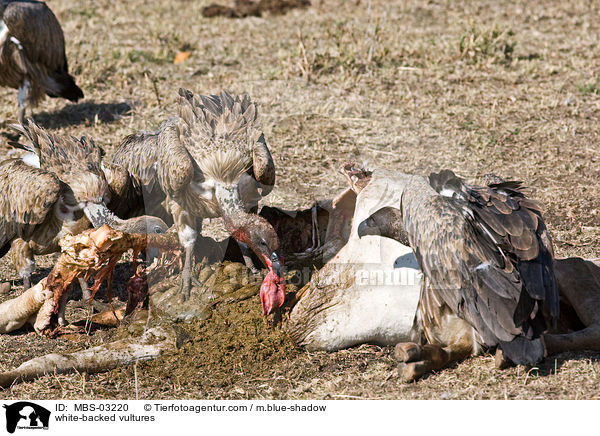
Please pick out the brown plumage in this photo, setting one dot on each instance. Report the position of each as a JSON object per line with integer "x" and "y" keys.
{"x": 32, "y": 54}
{"x": 486, "y": 256}
{"x": 210, "y": 161}
{"x": 66, "y": 195}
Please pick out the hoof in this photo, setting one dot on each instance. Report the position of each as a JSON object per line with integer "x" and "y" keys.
{"x": 410, "y": 372}
{"x": 407, "y": 352}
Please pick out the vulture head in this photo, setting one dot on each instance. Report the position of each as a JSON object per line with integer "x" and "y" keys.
{"x": 144, "y": 225}
{"x": 386, "y": 222}
{"x": 260, "y": 236}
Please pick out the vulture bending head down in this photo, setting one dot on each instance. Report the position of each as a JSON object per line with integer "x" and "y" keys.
{"x": 32, "y": 54}
{"x": 485, "y": 253}
{"x": 212, "y": 160}
{"x": 66, "y": 194}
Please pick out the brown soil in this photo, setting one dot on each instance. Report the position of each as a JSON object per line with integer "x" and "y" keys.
{"x": 249, "y": 8}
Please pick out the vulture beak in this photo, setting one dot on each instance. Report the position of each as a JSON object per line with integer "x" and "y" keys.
{"x": 272, "y": 290}
{"x": 365, "y": 229}
{"x": 277, "y": 264}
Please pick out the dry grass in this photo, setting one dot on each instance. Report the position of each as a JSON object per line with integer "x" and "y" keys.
{"x": 479, "y": 87}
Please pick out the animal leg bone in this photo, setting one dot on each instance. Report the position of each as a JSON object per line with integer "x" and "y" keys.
{"x": 417, "y": 360}
{"x": 586, "y": 339}
{"x": 316, "y": 238}
{"x": 62, "y": 306}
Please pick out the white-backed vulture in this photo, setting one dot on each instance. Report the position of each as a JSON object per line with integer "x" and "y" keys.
{"x": 486, "y": 256}
{"x": 67, "y": 194}
{"x": 32, "y": 54}
{"x": 210, "y": 161}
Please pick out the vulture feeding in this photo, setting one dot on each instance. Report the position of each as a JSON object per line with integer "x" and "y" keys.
{"x": 210, "y": 161}
{"x": 486, "y": 255}
{"x": 63, "y": 196}
{"x": 32, "y": 54}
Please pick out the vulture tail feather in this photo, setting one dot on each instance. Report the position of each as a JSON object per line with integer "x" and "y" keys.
{"x": 66, "y": 87}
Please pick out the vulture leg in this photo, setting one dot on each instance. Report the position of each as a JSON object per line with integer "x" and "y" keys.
{"x": 186, "y": 273}
{"x": 23, "y": 260}
{"x": 86, "y": 295}
{"x": 187, "y": 229}
{"x": 22, "y": 99}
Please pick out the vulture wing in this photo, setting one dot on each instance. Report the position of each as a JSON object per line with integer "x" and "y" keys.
{"x": 488, "y": 255}
{"x": 223, "y": 135}
{"x": 27, "y": 196}
{"x": 76, "y": 162}
{"x": 156, "y": 161}
{"x": 38, "y": 31}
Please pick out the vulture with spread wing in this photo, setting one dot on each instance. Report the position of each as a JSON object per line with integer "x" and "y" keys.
{"x": 485, "y": 254}
{"x": 32, "y": 54}
{"x": 68, "y": 193}
{"x": 210, "y": 161}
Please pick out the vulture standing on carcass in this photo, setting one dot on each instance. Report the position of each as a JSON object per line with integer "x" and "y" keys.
{"x": 32, "y": 54}
{"x": 210, "y": 161}
{"x": 486, "y": 255}
{"x": 66, "y": 194}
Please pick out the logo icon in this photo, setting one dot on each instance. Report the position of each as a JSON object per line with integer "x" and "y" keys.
{"x": 26, "y": 415}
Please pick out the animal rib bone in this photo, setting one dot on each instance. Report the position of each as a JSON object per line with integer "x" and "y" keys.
{"x": 94, "y": 252}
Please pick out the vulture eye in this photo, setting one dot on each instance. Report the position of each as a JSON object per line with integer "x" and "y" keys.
{"x": 158, "y": 229}
{"x": 262, "y": 243}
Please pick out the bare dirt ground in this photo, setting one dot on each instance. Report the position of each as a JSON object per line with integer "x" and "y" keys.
{"x": 506, "y": 87}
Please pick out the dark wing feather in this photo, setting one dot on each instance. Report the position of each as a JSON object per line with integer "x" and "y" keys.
{"x": 76, "y": 162}
{"x": 27, "y": 196}
{"x": 156, "y": 160}
{"x": 38, "y": 31}
{"x": 263, "y": 167}
{"x": 489, "y": 261}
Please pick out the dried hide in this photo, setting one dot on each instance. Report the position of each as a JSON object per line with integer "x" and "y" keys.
{"x": 368, "y": 292}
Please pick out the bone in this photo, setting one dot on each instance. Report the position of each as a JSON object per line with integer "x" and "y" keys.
{"x": 15, "y": 313}
{"x": 150, "y": 345}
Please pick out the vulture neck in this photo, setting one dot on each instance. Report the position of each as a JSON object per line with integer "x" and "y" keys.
{"x": 100, "y": 215}
{"x": 229, "y": 199}
{"x": 419, "y": 202}
{"x": 238, "y": 224}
